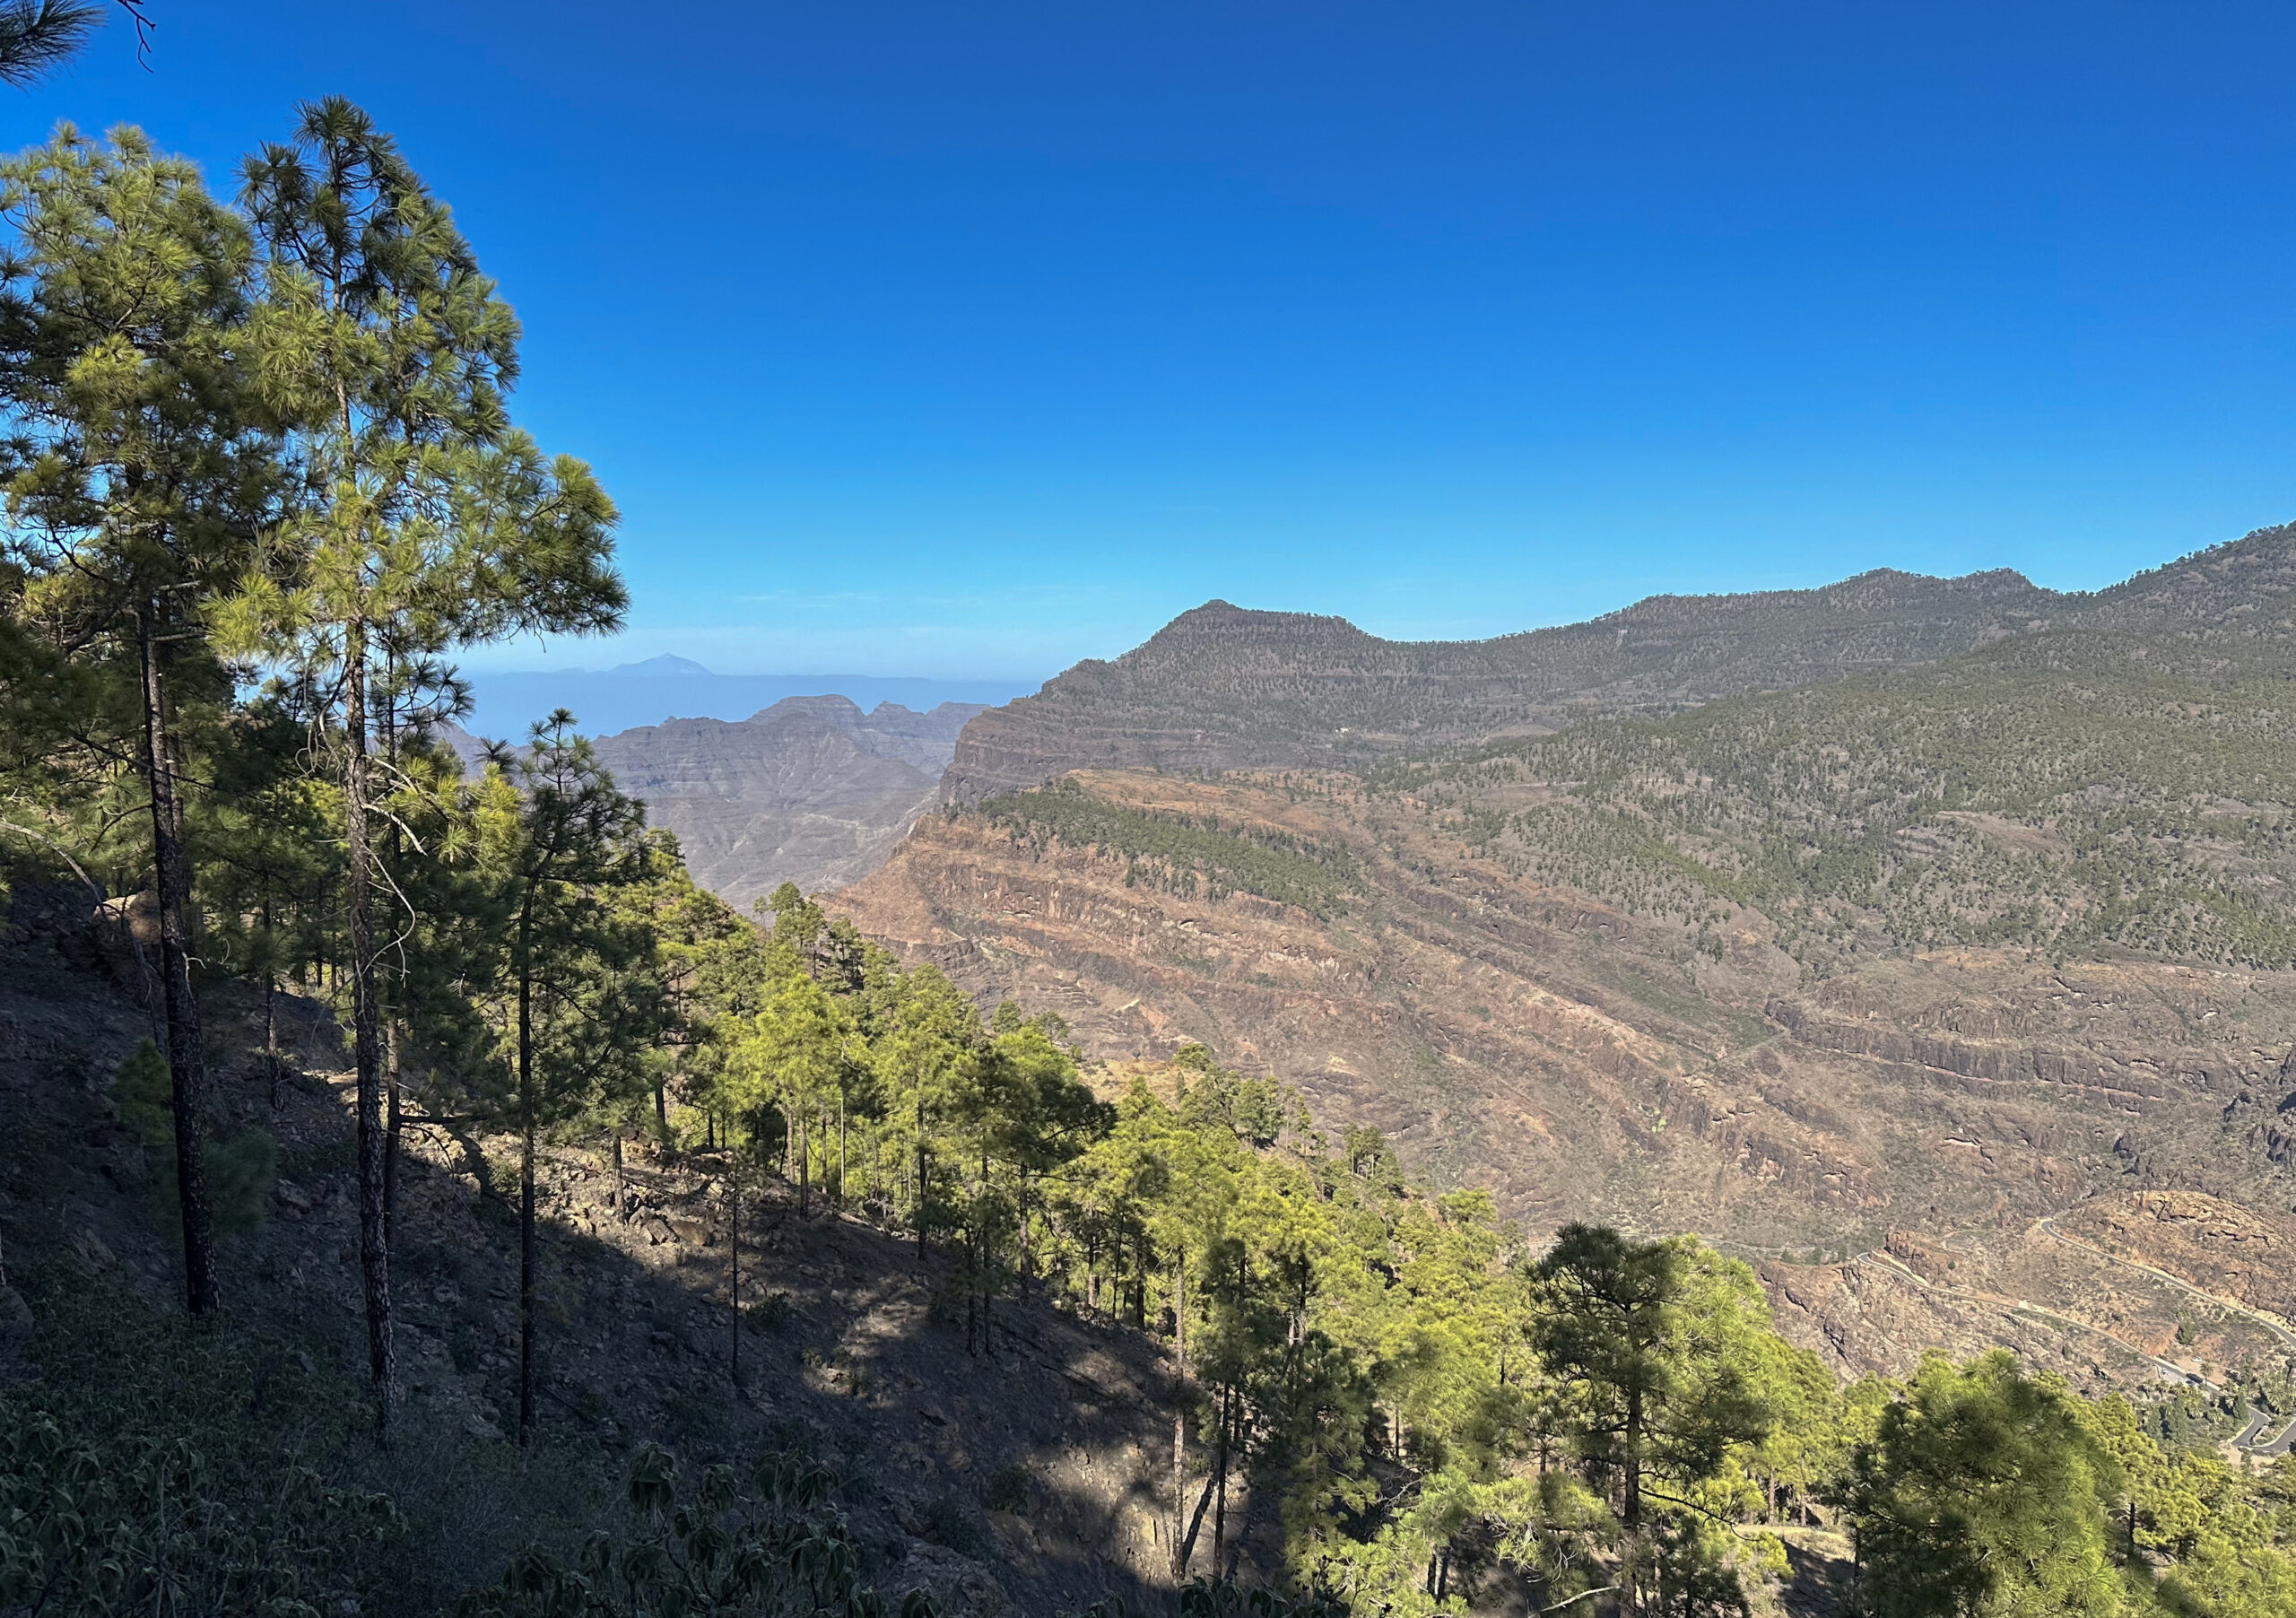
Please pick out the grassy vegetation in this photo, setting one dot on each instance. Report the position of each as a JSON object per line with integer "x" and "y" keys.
{"x": 1182, "y": 854}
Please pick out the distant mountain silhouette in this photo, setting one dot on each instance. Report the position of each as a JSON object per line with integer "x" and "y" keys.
{"x": 811, "y": 790}
{"x": 1223, "y": 687}
{"x": 667, "y": 687}
{"x": 668, "y": 663}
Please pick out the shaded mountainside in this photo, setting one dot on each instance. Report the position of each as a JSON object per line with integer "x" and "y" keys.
{"x": 1222, "y": 688}
{"x": 1032, "y": 1490}
{"x": 811, "y": 790}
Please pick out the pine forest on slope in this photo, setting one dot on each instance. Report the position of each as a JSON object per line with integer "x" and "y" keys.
{"x": 369, "y": 1115}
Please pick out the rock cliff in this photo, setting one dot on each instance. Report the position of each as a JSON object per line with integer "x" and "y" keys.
{"x": 811, "y": 790}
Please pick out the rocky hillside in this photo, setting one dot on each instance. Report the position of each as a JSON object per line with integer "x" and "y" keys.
{"x": 1223, "y": 688}
{"x": 1841, "y": 976}
{"x": 1583, "y": 1061}
{"x": 1032, "y": 1490}
{"x": 1220, "y": 688}
{"x": 811, "y": 790}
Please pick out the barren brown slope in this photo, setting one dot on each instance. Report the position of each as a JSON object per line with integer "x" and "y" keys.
{"x": 1583, "y": 1061}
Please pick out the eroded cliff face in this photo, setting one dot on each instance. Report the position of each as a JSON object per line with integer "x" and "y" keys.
{"x": 1583, "y": 1062}
{"x": 811, "y": 790}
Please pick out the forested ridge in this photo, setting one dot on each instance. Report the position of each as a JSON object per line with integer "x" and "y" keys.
{"x": 2065, "y": 791}
{"x": 262, "y": 488}
{"x": 1224, "y": 688}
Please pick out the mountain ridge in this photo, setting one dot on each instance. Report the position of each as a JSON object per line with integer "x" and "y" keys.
{"x": 1226, "y": 687}
{"x": 811, "y": 790}
{"x": 1223, "y": 687}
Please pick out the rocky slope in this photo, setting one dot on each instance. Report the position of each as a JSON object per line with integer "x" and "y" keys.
{"x": 1581, "y": 1060}
{"x": 1915, "y": 958}
{"x": 1029, "y": 1481}
{"x": 811, "y": 790}
{"x": 1222, "y": 688}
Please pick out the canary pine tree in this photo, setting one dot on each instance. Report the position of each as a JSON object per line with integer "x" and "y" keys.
{"x": 428, "y": 522}
{"x": 145, "y": 474}
{"x": 580, "y": 997}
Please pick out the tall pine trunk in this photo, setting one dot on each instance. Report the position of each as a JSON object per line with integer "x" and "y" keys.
{"x": 1179, "y": 1309}
{"x": 270, "y": 1001}
{"x": 374, "y": 1236}
{"x": 186, "y": 1065}
{"x": 390, "y": 1132}
{"x": 526, "y": 1176}
{"x": 1180, "y": 1494}
{"x": 1220, "y": 1474}
{"x": 734, "y": 1223}
{"x": 917, "y": 1184}
{"x": 526, "y": 1282}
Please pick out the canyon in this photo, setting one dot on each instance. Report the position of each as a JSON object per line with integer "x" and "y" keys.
{"x": 1912, "y": 940}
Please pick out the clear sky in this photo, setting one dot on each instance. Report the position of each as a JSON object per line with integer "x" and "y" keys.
{"x": 968, "y": 339}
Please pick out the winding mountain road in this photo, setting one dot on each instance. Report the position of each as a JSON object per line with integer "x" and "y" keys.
{"x": 2275, "y": 1324}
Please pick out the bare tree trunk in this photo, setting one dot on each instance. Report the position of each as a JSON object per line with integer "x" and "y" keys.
{"x": 526, "y": 1256}
{"x": 1219, "y": 1476}
{"x": 390, "y": 1131}
{"x": 733, "y": 1184}
{"x": 916, "y": 1182}
{"x": 1179, "y": 1307}
{"x": 981, "y": 1281}
{"x": 840, "y": 1145}
{"x": 270, "y": 1004}
{"x": 374, "y": 1237}
{"x": 804, "y": 1144}
{"x": 620, "y": 1181}
{"x": 1179, "y": 1503}
{"x": 1185, "y": 1553}
{"x": 526, "y": 1170}
{"x": 187, "y": 1063}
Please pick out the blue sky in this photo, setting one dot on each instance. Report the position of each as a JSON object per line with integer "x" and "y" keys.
{"x": 965, "y": 341}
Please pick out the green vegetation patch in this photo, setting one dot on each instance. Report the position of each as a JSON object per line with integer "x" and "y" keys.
{"x": 1185, "y": 854}
{"x": 2061, "y": 791}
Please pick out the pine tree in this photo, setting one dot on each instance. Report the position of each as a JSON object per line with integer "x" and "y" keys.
{"x": 144, "y": 479}
{"x": 581, "y": 994}
{"x": 37, "y": 37}
{"x": 429, "y": 523}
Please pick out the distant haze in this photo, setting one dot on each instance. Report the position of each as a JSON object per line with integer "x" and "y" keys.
{"x": 667, "y": 687}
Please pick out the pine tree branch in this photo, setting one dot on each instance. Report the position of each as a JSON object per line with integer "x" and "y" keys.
{"x": 37, "y": 37}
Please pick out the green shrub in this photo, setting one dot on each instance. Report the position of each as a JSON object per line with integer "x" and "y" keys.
{"x": 240, "y": 1167}
{"x": 1008, "y": 1488}
{"x": 781, "y": 1549}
